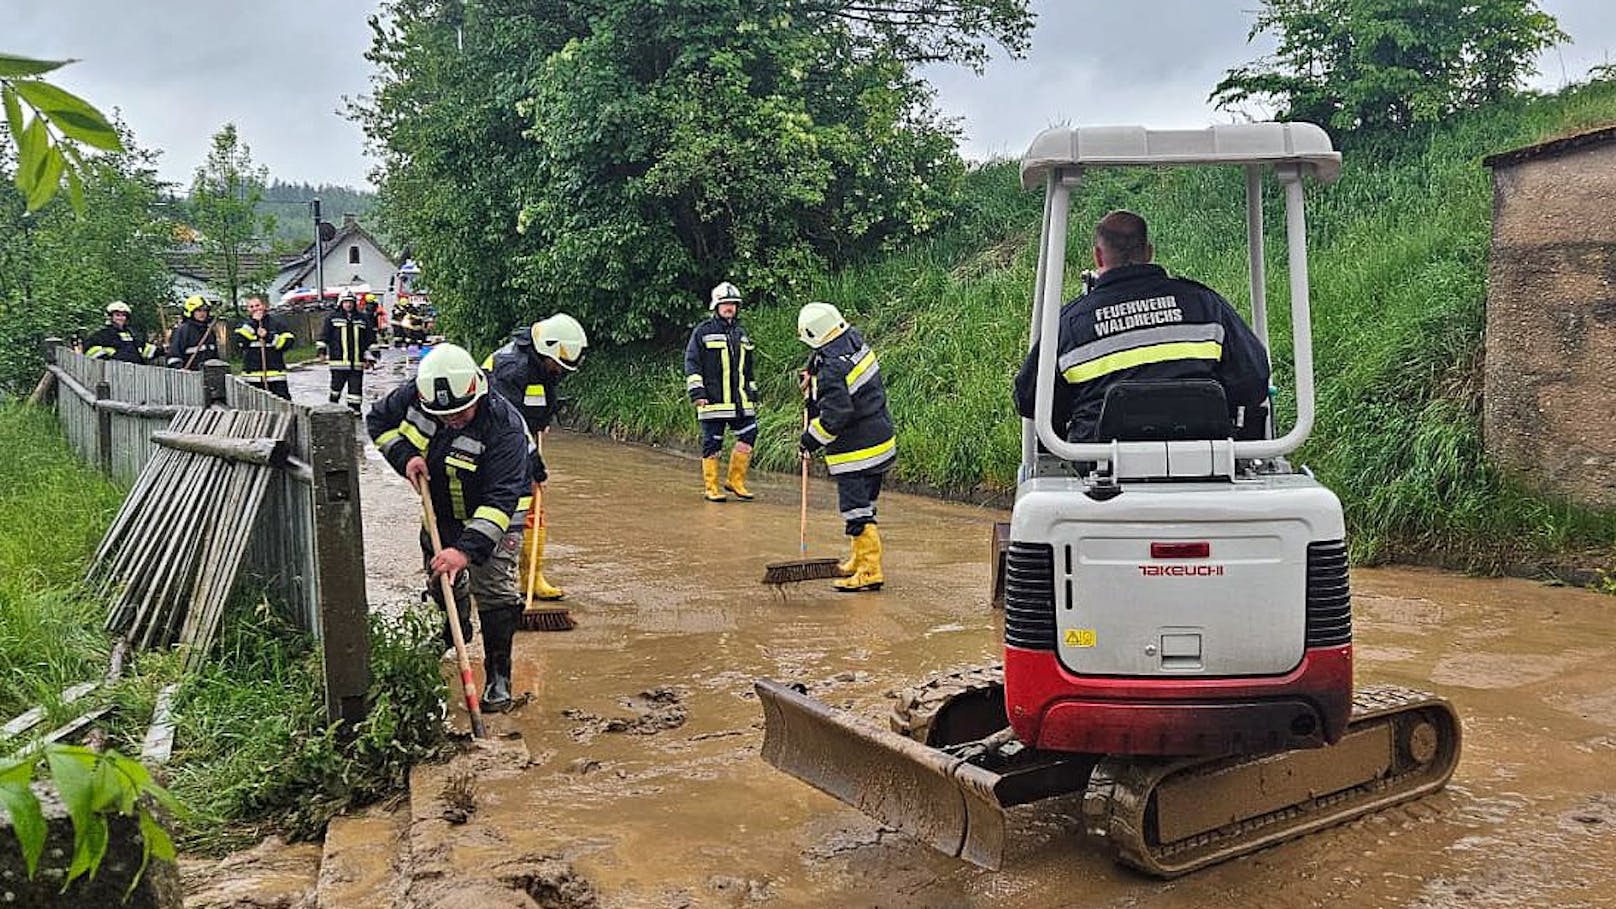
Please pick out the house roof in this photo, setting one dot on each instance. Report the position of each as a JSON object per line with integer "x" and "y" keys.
{"x": 302, "y": 264}
{"x": 1552, "y": 147}
{"x": 190, "y": 261}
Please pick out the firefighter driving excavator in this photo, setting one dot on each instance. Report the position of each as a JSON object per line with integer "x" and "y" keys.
{"x": 1178, "y": 628}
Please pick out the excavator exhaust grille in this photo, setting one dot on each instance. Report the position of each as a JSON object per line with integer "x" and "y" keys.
{"x": 1329, "y": 600}
{"x": 1029, "y": 596}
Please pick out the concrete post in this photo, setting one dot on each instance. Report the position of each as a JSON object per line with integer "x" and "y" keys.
{"x": 339, "y": 558}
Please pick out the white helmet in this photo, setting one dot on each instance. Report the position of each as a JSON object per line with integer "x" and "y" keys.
{"x": 449, "y": 380}
{"x": 117, "y": 306}
{"x": 562, "y": 339}
{"x": 819, "y": 323}
{"x": 725, "y": 292}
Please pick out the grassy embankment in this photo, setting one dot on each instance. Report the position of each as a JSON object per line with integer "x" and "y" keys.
{"x": 252, "y": 753}
{"x": 1398, "y": 262}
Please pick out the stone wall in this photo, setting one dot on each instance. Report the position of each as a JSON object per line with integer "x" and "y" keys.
{"x": 1550, "y": 395}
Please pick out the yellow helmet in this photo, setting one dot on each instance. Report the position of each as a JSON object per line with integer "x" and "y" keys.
{"x": 562, "y": 339}
{"x": 449, "y": 381}
{"x": 193, "y": 303}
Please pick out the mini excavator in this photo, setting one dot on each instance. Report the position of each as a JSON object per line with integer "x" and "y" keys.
{"x": 1178, "y": 623}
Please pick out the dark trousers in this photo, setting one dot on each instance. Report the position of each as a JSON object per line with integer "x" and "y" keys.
{"x": 855, "y": 497}
{"x": 499, "y": 602}
{"x": 712, "y": 433}
{"x": 353, "y": 380}
{"x": 276, "y": 387}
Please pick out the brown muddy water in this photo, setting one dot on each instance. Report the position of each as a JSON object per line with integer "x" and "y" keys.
{"x": 647, "y": 733}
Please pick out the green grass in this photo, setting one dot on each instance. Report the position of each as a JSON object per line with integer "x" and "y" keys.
{"x": 253, "y": 753}
{"x": 1398, "y": 256}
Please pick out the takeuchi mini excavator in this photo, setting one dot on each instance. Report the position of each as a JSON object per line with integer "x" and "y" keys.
{"x": 1178, "y": 626}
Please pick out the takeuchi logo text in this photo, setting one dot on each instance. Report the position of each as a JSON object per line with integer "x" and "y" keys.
{"x": 1181, "y": 571}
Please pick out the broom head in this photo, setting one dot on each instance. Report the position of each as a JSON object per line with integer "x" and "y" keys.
{"x": 799, "y": 570}
{"x": 546, "y": 618}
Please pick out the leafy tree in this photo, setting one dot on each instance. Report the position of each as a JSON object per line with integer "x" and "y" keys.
{"x": 1385, "y": 65}
{"x": 59, "y": 268}
{"x": 48, "y": 136}
{"x": 225, "y": 193}
{"x": 614, "y": 158}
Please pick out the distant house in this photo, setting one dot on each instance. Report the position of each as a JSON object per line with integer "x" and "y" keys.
{"x": 190, "y": 272}
{"x": 353, "y": 256}
{"x": 1550, "y": 368}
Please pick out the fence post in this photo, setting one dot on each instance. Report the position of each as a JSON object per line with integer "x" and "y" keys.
{"x": 339, "y": 559}
{"x": 45, "y": 391}
{"x": 103, "y": 427}
{"x": 214, "y": 373}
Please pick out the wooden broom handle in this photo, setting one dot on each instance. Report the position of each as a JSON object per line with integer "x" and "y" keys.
{"x": 467, "y": 683}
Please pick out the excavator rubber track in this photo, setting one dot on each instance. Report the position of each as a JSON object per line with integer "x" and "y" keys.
{"x": 1168, "y": 817}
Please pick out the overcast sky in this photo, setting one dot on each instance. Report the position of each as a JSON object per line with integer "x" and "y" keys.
{"x": 279, "y": 69}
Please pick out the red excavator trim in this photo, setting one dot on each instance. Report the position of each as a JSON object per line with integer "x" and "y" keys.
{"x": 1058, "y": 710}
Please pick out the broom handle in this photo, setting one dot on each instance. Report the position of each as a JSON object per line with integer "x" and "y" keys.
{"x": 804, "y": 459}
{"x": 533, "y": 538}
{"x": 453, "y": 615}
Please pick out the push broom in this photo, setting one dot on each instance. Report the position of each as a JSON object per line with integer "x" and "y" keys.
{"x": 804, "y": 568}
{"x": 540, "y": 618}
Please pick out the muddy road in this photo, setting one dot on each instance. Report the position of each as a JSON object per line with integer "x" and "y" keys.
{"x": 647, "y": 732}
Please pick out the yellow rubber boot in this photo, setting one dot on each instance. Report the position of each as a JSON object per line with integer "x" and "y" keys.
{"x": 542, "y": 589}
{"x": 845, "y": 567}
{"x": 736, "y": 483}
{"x": 866, "y": 563}
{"x": 709, "y": 480}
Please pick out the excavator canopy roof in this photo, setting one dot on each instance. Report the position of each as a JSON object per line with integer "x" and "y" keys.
{"x": 1136, "y": 146}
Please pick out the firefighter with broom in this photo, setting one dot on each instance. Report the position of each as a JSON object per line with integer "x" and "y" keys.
{"x": 527, "y": 372}
{"x": 469, "y": 449}
{"x": 848, "y": 419}
{"x": 192, "y": 343}
{"x": 263, "y": 341}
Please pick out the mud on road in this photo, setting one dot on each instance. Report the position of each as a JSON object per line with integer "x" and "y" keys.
{"x": 659, "y": 813}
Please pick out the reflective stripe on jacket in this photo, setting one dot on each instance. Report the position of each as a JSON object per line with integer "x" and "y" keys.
{"x": 1140, "y": 324}
{"x": 109, "y": 342}
{"x": 347, "y": 339}
{"x": 263, "y": 358}
{"x": 847, "y": 407}
{"x": 718, "y": 367}
{"x": 191, "y": 344}
{"x": 479, "y": 473}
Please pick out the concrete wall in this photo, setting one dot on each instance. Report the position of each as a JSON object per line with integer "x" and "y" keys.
{"x": 1550, "y": 396}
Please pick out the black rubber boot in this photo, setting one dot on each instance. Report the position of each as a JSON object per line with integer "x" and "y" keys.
{"x": 499, "y": 630}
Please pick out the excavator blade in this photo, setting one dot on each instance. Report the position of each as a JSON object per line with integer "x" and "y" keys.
{"x": 930, "y": 795}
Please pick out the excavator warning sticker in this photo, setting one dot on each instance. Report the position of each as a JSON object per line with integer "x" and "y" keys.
{"x": 1079, "y": 637}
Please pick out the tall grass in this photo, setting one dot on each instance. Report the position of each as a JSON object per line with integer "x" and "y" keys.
{"x": 52, "y": 513}
{"x": 1397, "y": 254}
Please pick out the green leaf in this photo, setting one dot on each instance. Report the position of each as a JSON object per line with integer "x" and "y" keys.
{"x": 48, "y": 180}
{"x": 72, "y": 115}
{"x": 31, "y": 145}
{"x": 75, "y": 785}
{"x": 13, "y": 112}
{"x": 27, "y": 821}
{"x": 11, "y": 66}
{"x": 75, "y": 190}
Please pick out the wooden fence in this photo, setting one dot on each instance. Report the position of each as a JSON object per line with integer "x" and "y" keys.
{"x": 307, "y": 544}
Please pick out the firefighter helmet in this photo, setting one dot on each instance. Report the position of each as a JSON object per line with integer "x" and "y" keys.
{"x": 117, "y": 306}
{"x": 562, "y": 339}
{"x": 193, "y": 303}
{"x": 449, "y": 380}
{"x": 725, "y": 292}
{"x": 819, "y": 323}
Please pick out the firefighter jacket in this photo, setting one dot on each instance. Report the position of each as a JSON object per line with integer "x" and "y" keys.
{"x": 109, "y": 342}
{"x": 264, "y": 358}
{"x": 847, "y": 407}
{"x": 1139, "y": 324}
{"x": 718, "y": 367}
{"x": 518, "y": 374}
{"x": 191, "y": 344}
{"x": 348, "y": 339}
{"x": 479, "y": 473}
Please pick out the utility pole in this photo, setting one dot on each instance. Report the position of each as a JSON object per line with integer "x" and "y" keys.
{"x": 319, "y": 257}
